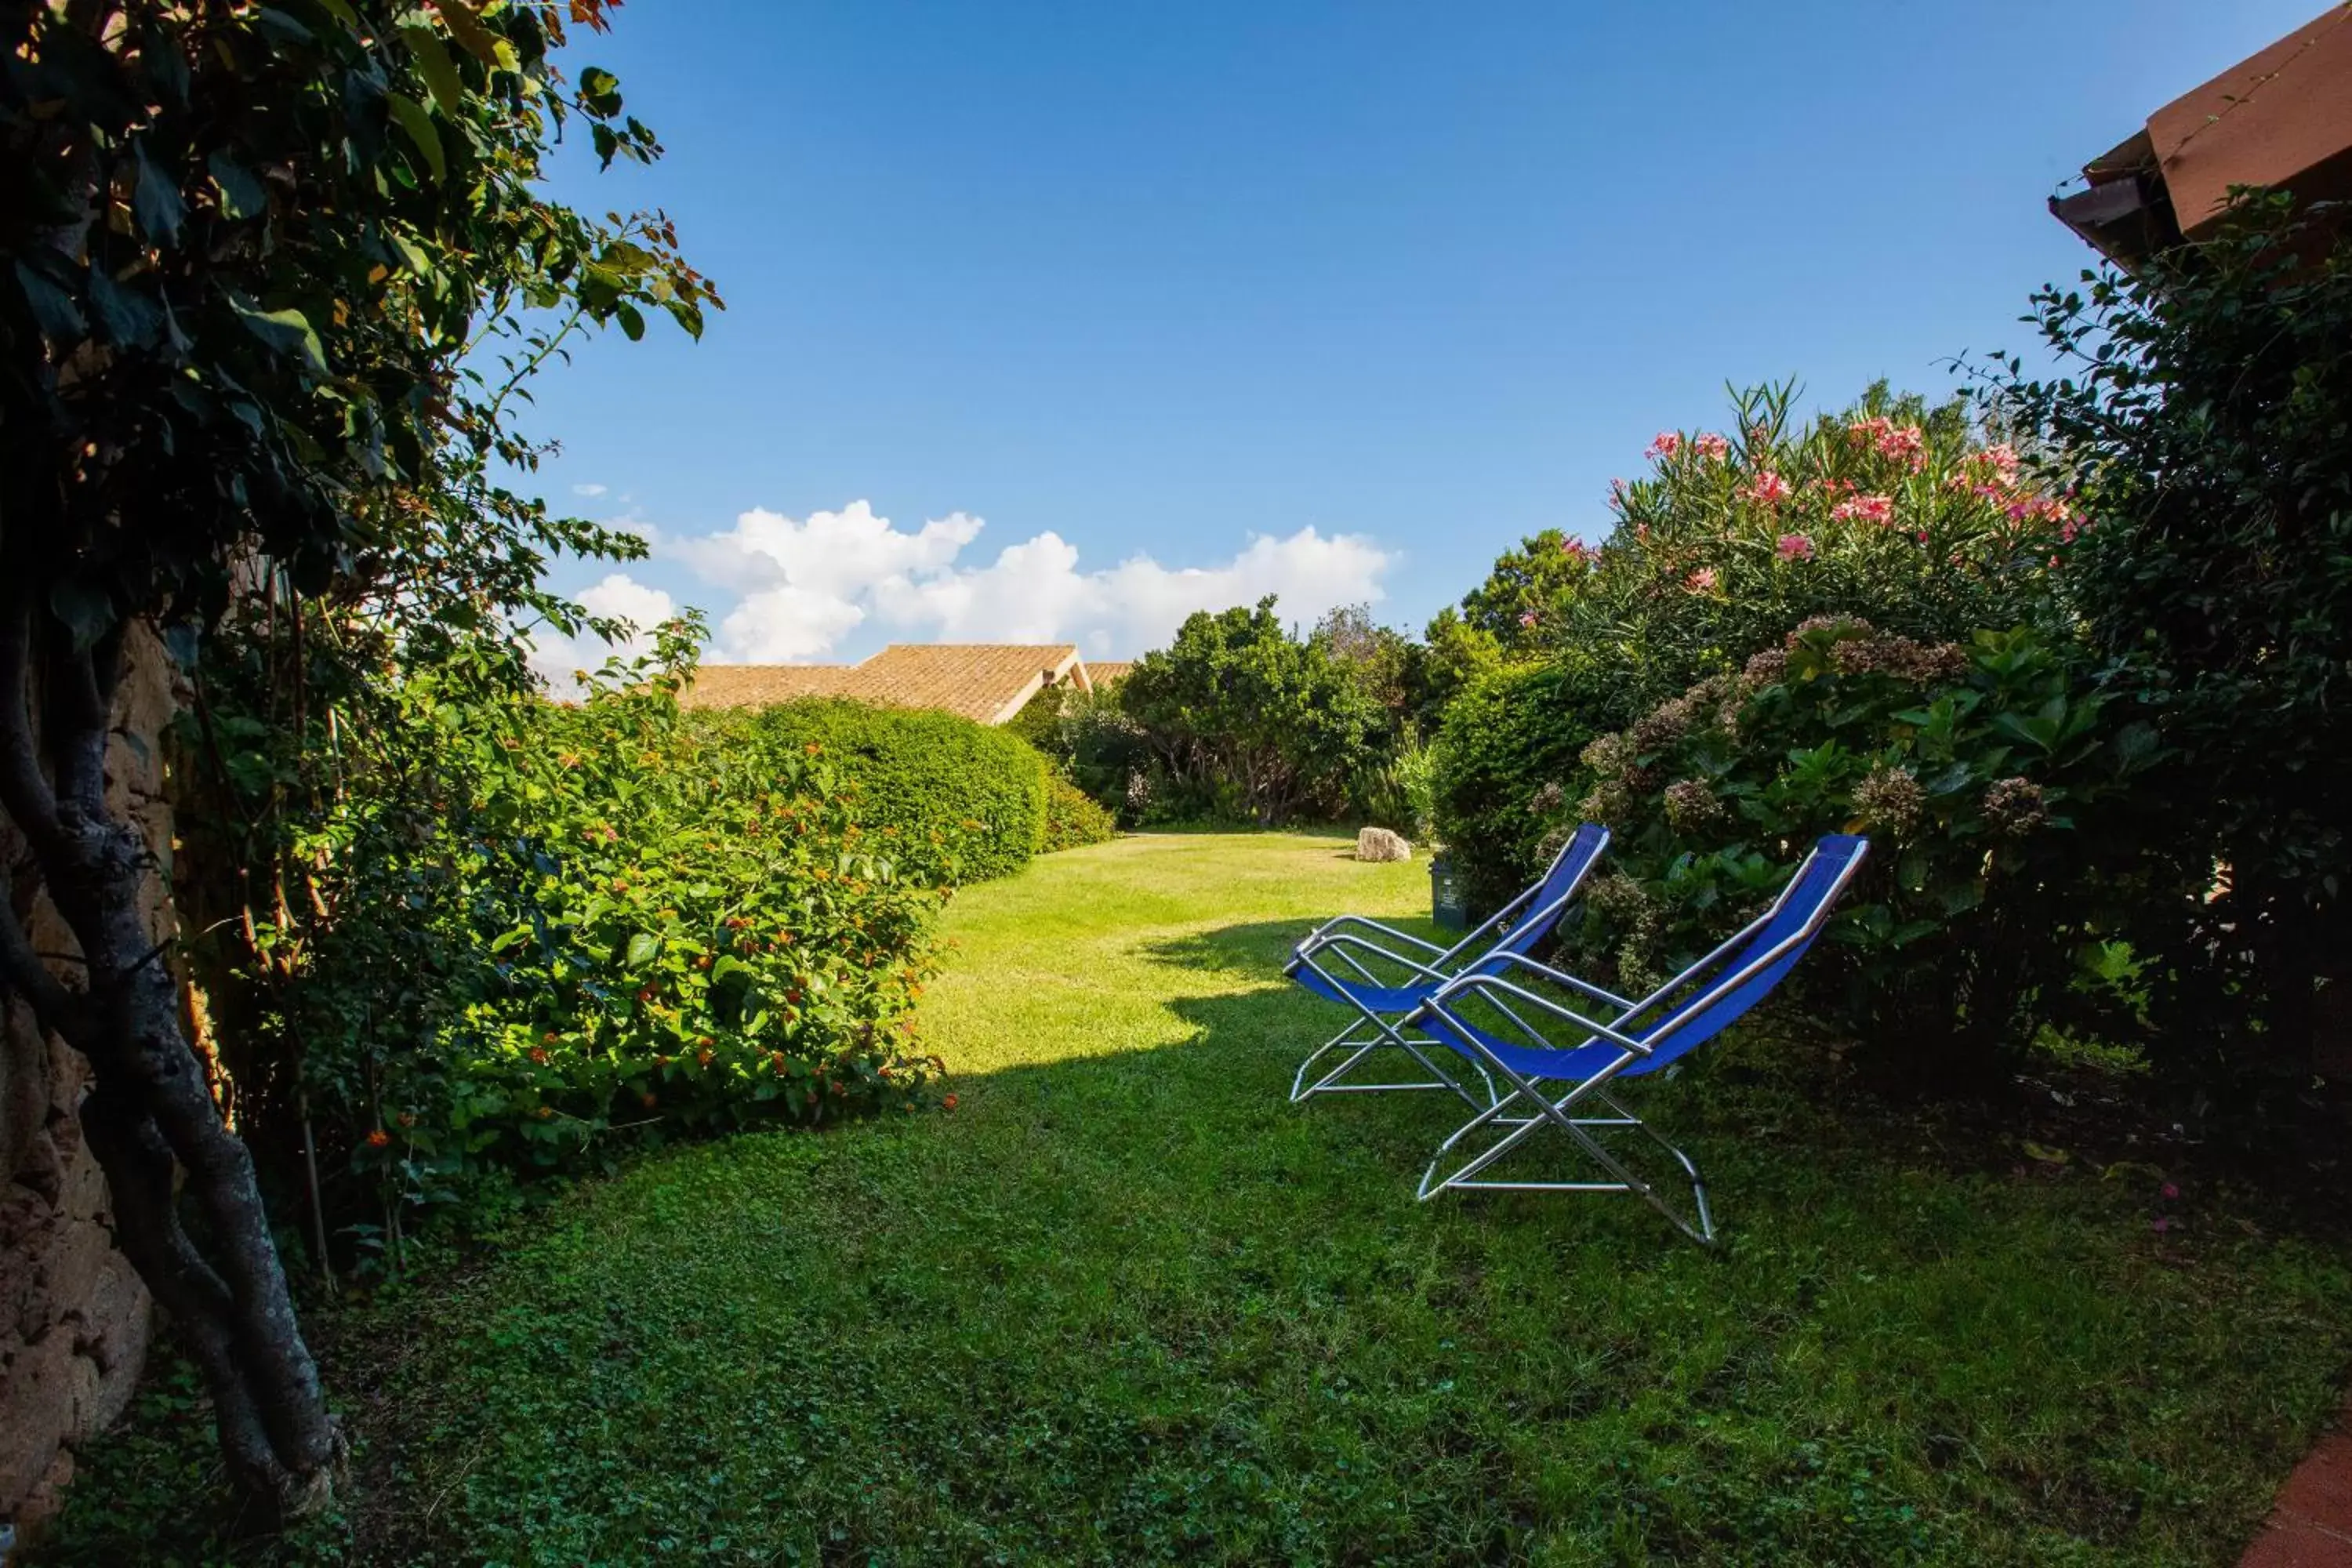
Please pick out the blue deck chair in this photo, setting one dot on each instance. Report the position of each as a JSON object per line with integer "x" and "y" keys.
{"x": 1389, "y": 975}
{"x": 1639, "y": 1038}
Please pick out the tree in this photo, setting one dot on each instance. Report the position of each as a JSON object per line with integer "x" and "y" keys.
{"x": 1526, "y": 589}
{"x": 259, "y": 265}
{"x": 1246, "y": 717}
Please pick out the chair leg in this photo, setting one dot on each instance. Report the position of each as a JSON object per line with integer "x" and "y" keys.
{"x": 1543, "y": 1112}
{"x": 1357, "y": 1047}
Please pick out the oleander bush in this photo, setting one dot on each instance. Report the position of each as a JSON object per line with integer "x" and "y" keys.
{"x": 947, "y": 799}
{"x": 1913, "y": 517}
{"x": 1996, "y": 782}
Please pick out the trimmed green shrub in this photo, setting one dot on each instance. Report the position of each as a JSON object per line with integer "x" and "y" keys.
{"x": 947, "y": 799}
{"x": 1509, "y": 735}
{"x": 1074, "y": 818}
{"x": 1995, "y": 782}
{"x": 559, "y": 933}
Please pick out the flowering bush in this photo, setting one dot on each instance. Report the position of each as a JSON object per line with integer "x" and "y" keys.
{"x": 1993, "y": 781}
{"x": 1890, "y": 510}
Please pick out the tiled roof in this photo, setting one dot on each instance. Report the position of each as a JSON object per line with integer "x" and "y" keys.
{"x": 1101, "y": 672}
{"x": 983, "y": 681}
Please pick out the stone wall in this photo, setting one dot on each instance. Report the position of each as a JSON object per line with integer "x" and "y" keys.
{"x": 74, "y": 1318}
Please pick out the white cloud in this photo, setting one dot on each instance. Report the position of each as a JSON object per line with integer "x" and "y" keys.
{"x": 619, "y": 596}
{"x": 807, "y": 585}
{"x": 590, "y": 492}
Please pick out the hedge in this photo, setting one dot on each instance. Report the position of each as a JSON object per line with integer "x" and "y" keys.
{"x": 922, "y": 778}
{"x": 1507, "y": 735}
{"x": 1075, "y": 819}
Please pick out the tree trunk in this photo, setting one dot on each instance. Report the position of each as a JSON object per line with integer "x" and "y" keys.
{"x": 151, "y": 1119}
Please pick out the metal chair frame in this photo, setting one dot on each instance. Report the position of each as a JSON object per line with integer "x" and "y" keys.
{"x": 1529, "y": 1106}
{"x": 1340, "y": 942}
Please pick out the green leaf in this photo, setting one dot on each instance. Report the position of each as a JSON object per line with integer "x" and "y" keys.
{"x": 155, "y": 200}
{"x": 600, "y": 90}
{"x": 433, "y": 62}
{"x": 52, "y": 306}
{"x": 86, "y": 610}
{"x": 643, "y": 947}
{"x": 422, "y": 131}
{"x": 126, "y": 316}
{"x": 240, "y": 191}
{"x": 476, "y": 39}
{"x": 288, "y": 331}
{"x": 633, "y": 324}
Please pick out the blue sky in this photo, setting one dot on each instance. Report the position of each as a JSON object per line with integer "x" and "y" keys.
{"x": 1188, "y": 303}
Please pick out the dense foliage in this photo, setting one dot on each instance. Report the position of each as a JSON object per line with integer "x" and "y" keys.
{"x": 1073, "y": 818}
{"x": 553, "y": 934}
{"x": 1507, "y": 736}
{"x": 947, "y": 799}
{"x": 1244, "y": 722}
{"x": 1995, "y": 781}
{"x": 2207, "y": 418}
{"x": 1891, "y": 510}
{"x": 271, "y": 278}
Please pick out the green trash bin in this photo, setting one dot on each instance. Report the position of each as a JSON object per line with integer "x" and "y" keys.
{"x": 1446, "y": 904}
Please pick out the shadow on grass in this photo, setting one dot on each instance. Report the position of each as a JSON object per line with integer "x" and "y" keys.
{"x": 1134, "y": 1307}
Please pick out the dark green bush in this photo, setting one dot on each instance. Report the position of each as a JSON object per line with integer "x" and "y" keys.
{"x": 1508, "y": 735}
{"x": 2206, "y": 413}
{"x": 1995, "y": 782}
{"x": 950, "y": 800}
{"x": 1074, "y": 818}
{"x": 1247, "y": 722}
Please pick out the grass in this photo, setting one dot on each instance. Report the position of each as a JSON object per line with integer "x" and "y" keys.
{"x": 1126, "y": 1305}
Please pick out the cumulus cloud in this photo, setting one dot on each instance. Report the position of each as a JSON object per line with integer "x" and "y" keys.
{"x": 620, "y": 597}
{"x": 807, "y": 585}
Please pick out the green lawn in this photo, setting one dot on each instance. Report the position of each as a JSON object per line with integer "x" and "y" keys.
{"x": 1127, "y": 1305}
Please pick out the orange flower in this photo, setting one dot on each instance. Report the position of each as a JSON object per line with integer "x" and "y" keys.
{"x": 949, "y": 1103}
{"x": 647, "y": 1098}
{"x": 539, "y": 1055}
{"x": 378, "y": 1138}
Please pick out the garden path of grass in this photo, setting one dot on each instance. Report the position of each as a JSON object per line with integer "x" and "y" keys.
{"x": 1127, "y": 1305}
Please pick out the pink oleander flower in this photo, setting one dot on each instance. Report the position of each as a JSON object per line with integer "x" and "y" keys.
{"x": 1711, "y": 446}
{"x": 1576, "y": 550}
{"x": 1796, "y": 547}
{"x": 1768, "y": 489}
{"x": 1701, "y": 581}
{"x": 2001, "y": 458}
{"x": 1526, "y": 617}
{"x": 1907, "y": 441}
{"x": 1666, "y": 444}
{"x": 1870, "y": 509}
{"x": 1868, "y": 429}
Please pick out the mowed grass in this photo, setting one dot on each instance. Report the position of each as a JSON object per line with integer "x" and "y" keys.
{"x": 1127, "y": 1305}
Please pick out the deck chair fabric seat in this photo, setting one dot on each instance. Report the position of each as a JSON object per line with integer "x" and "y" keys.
{"x": 1387, "y": 975}
{"x": 1359, "y": 994}
{"x": 1639, "y": 1038}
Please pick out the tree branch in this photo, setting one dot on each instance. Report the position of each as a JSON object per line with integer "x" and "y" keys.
{"x": 24, "y": 792}
{"x": 21, "y": 969}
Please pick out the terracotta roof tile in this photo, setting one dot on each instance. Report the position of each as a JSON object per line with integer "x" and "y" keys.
{"x": 1101, "y": 672}
{"x": 987, "y": 682}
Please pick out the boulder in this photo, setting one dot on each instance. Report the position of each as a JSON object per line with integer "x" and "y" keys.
{"x": 1379, "y": 844}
